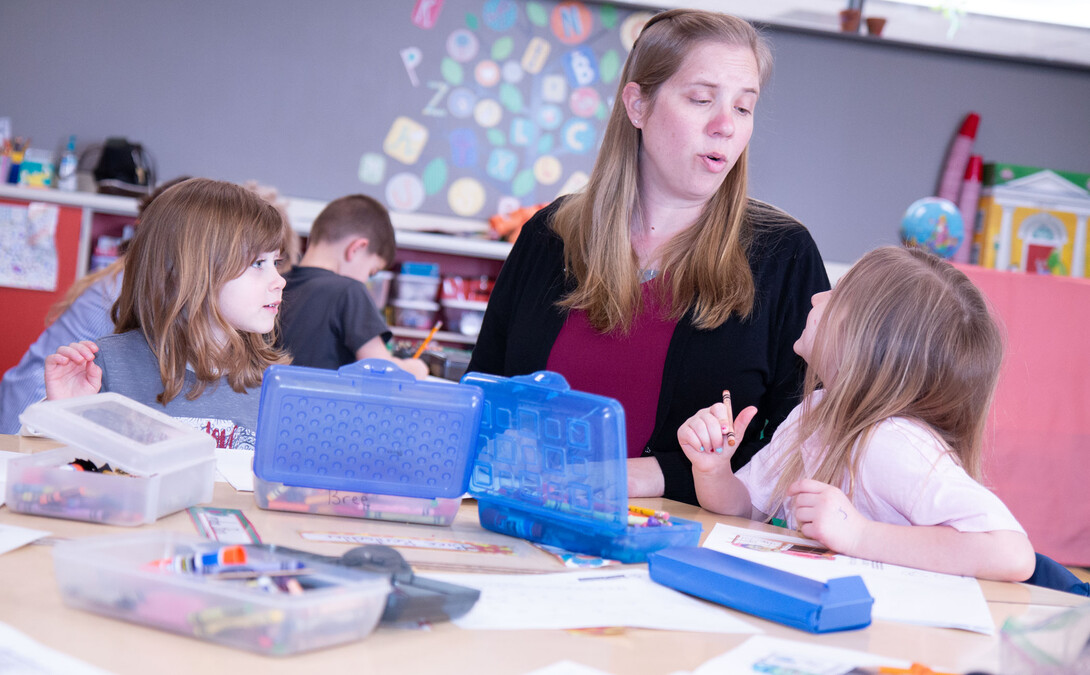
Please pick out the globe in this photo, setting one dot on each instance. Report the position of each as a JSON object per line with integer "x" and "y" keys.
{"x": 933, "y": 224}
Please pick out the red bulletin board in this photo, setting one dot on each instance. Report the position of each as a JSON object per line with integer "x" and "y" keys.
{"x": 23, "y": 310}
{"x": 1037, "y": 441}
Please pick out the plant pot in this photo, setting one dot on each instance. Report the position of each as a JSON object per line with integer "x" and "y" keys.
{"x": 875, "y": 24}
{"x": 849, "y": 20}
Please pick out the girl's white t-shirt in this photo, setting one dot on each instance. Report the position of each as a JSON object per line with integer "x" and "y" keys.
{"x": 906, "y": 478}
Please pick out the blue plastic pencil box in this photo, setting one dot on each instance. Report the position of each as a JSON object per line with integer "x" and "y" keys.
{"x": 551, "y": 467}
{"x": 369, "y": 427}
{"x": 818, "y": 607}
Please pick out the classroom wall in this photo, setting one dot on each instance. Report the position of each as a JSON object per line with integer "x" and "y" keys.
{"x": 849, "y": 131}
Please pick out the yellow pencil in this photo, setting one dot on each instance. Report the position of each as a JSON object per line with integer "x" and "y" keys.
{"x": 729, "y": 427}
{"x": 424, "y": 344}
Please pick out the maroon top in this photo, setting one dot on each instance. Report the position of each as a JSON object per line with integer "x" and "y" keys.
{"x": 627, "y": 368}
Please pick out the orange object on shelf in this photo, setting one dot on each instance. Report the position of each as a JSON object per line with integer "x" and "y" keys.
{"x": 508, "y": 225}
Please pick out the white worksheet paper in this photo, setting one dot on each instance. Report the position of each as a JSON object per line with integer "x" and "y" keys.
{"x": 12, "y": 537}
{"x": 766, "y": 654}
{"x": 236, "y": 467}
{"x": 567, "y": 668}
{"x": 900, "y": 593}
{"x": 590, "y": 599}
{"x": 20, "y": 654}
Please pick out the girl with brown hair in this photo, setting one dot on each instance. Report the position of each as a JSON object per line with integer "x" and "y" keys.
{"x": 196, "y": 314}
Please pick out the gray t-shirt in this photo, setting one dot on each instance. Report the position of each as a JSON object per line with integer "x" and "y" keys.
{"x": 130, "y": 368}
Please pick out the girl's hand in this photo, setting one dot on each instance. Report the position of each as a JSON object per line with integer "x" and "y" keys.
{"x": 824, "y": 513}
{"x": 703, "y": 437}
{"x": 71, "y": 371}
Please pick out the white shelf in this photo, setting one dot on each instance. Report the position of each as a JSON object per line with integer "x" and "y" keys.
{"x": 124, "y": 206}
{"x": 417, "y": 231}
{"x": 454, "y": 245}
{"x": 440, "y": 336}
{"x": 301, "y": 212}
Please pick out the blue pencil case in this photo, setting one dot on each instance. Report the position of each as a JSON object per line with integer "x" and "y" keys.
{"x": 367, "y": 428}
{"x": 838, "y": 604}
{"x": 551, "y": 467}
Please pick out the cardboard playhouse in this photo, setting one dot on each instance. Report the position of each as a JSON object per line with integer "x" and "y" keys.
{"x": 1033, "y": 220}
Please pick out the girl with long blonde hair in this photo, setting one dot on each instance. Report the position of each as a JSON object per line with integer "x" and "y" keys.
{"x": 882, "y": 459}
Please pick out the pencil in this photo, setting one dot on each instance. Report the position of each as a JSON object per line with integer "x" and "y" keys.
{"x": 731, "y": 440}
{"x": 424, "y": 344}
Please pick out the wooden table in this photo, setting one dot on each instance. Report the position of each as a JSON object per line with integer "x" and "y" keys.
{"x": 31, "y": 603}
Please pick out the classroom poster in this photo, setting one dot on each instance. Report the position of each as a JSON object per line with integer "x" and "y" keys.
{"x": 503, "y": 103}
{"x": 28, "y": 248}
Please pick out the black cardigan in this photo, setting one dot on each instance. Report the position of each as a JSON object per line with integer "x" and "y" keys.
{"x": 753, "y": 358}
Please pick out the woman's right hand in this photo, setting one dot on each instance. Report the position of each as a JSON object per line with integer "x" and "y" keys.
{"x": 703, "y": 437}
{"x": 71, "y": 371}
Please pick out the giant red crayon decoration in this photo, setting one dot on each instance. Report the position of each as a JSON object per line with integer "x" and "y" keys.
{"x": 958, "y": 159}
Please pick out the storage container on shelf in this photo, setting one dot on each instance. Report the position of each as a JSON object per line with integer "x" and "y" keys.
{"x": 417, "y": 287}
{"x": 365, "y": 441}
{"x": 379, "y": 287}
{"x": 464, "y": 316}
{"x": 143, "y": 578}
{"x": 420, "y": 314}
{"x": 466, "y": 288}
{"x": 167, "y": 465}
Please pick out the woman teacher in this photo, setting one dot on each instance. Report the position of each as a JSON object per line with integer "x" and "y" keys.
{"x": 662, "y": 283}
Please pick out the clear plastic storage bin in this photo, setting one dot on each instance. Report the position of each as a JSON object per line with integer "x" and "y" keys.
{"x": 464, "y": 316}
{"x": 169, "y": 465}
{"x": 417, "y": 287}
{"x": 141, "y": 578}
{"x": 419, "y": 314}
{"x": 279, "y": 497}
{"x": 379, "y": 287}
{"x": 368, "y": 441}
{"x": 551, "y": 466}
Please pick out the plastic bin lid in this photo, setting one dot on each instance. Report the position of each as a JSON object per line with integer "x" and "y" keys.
{"x": 458, "y": 303}
{"x": 426, "y": 305}
{"x": 129, "y": 435}
{"x": 547, "y": 449}
{"x": 368, "y": 427}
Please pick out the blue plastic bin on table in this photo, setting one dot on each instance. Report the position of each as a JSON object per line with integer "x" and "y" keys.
{"x": 550, "y": 466}
{"x": 366, "y": 441}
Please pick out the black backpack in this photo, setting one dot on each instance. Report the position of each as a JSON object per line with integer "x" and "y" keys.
{"x": 124, "y": 168}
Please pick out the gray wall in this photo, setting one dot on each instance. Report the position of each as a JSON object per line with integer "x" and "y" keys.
{"x": 850, "y": 130}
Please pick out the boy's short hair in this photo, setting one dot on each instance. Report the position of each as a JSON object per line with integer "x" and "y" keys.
{"x": 356, "y": 216}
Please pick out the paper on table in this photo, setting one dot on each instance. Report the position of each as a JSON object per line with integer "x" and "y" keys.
{"x": 567, "y": 668}
{"x": 587, "y": 600}
{"x": 236, "y": 467}
{"x": 20, "y": 654}
{"x": 900, "y": 593}
{"x": 765, "y": 654}
{"x": 12, "y": 537}
{"x": 5, "y": 455}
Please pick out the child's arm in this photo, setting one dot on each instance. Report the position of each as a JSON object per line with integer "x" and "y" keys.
{"x": 375, "y": 348}
{"x": 702, "y": 438}
{"x": 71, "y": 371}
{"x": 824, "y": 513}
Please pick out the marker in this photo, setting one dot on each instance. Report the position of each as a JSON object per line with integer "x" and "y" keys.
{"x": 729, "y": 428}
{"x": 203, "y": 563}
